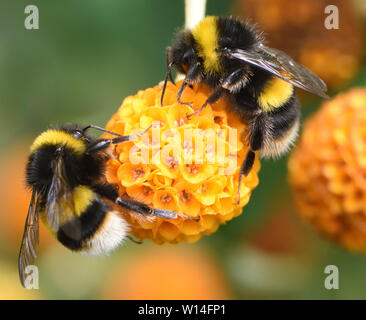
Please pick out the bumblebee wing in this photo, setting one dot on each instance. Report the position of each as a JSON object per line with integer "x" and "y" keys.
{"x": 281, "y": 65}
{"x": 60, "y": 209}
{"x": 30, "y": 241}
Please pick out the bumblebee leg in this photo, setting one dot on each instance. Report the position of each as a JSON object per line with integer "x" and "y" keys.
{"x": 257, "y": 137}
{"x": 134, "y": 240}
{"x": 237, "y": 79}
{"x": 146, "y": 210}
{"x": 216, "y": 95}
{"x": 105, "y": 143}
{"x": 110, "y": 191}
{"x": 191, "y": 76}
{"x": 234, "y": 81}
{"x": 130, "y": 137}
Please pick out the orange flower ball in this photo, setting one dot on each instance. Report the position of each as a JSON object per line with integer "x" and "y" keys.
{"x": 298, "y": 28}
{"x": 327, "y": 170}
{"x": 190, "y": 166}
{"x": 168, "y": 273}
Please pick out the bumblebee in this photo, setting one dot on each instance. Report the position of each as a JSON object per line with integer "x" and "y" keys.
{"x": 70, "y": 194}
{"x": 230, "y": 56}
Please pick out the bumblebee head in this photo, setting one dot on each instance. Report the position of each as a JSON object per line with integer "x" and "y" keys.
{"x": 198, "y": 46}
{"x": 182, "y": 53}
{"x": 73, "y": 139}
{"x": 68, "y": 152}
{"x": 68, "y": 143}
{"x": 77, "y": 132}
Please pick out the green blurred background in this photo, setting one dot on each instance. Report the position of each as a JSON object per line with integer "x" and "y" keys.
{"x": 84, "y": 59}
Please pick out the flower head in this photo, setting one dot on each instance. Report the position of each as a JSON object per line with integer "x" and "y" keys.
{"x": 328, "y": 170}
{"x": 190, "y": 166}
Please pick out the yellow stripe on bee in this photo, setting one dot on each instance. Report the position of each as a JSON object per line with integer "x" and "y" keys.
{"x": 83, "y": 197}
{"x": 275, "y": 94}
{"x": 42, "y": 214}
{"x": 206, "y": 36}
{"x": 58, "y": 137}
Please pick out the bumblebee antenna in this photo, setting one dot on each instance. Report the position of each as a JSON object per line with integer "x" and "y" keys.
{"x": 100, "y": 129}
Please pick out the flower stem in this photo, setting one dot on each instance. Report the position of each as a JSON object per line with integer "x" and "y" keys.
{"x": 195, "y": 12}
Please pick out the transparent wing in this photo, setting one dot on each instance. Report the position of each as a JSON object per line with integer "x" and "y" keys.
{"x": 59, "y": 209}
{"x": 30, "y": 241}
{"x": 281, "y": 65}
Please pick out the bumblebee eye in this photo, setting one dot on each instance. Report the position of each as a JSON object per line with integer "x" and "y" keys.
{"x": 58, "y": 151}
{"x": 187, "y": 57}
{"x": 225, "y": 43}
{"x": 77, "y": 134}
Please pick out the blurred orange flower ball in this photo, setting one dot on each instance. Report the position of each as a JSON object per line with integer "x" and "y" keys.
{"x": 15, "y": 198}
{"x": 327, "y": 170}
{"x": 168, "y": 273}
{"x": 281, "y": 233}
{"x": 203, "y": 187}
{"x": 298, "y": 28}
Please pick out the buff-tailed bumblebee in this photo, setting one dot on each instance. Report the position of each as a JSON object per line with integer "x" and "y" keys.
{"x": 71, "y": 195}
{"x": 230, "y": 56}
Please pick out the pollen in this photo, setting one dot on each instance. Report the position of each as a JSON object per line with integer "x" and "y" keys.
{"x": 193, "y": 168}
{"x": 138, "y": 172}
{"x": 171, "y": 162}
{"x": 147, "y": 191}
{"x": 185, "y": 196}
{"x": 166, "y": 198}
{"x": 190, "y": 166}
{"x": 327, "y": 170}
